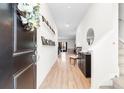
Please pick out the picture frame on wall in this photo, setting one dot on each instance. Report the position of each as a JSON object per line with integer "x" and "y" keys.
{"x": 43, "y": 40}
{"x": 47, "y": 23}
{"x": 47, "y": 42}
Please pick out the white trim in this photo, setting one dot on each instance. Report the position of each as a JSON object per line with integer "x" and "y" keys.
{"x": 17, "y": 74}
{"x": 23, "y": 52}
{"x": 15, "y": 29}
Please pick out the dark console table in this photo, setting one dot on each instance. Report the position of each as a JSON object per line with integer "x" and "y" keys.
{"x": 85, "y": 63}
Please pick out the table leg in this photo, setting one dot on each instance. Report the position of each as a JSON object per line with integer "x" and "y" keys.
{"x": 70, "y": 60}
{"x": 74, "y": 62}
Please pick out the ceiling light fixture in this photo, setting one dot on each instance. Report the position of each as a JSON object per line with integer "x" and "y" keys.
{"x": 67, "y": 25}
{"x": 68, "y": 6}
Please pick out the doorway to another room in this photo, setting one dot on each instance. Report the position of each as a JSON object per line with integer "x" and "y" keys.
{"x": 62, "y": 47}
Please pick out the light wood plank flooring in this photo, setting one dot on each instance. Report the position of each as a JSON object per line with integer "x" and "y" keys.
{"x": 64, "y": 75}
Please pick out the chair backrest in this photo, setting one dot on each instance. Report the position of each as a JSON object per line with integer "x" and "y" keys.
{"x": 78, "y": 49}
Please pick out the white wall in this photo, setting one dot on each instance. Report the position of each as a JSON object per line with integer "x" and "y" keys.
{"x": 47, "y": 55}
{"x": 103, "y": 18}
{"x": 100, "y": 18}
{"x": 121, "y": 23}
{"x": 105, "y": 60}
{"x": 70, "y": 42}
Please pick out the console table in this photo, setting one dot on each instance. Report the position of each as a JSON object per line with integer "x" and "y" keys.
{"x": 75, "y": 58}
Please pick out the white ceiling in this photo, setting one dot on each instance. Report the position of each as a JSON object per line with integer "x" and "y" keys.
{"x": 67, "y": 17}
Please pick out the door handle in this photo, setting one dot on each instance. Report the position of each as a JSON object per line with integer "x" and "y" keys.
{"x": 34, "y": 58}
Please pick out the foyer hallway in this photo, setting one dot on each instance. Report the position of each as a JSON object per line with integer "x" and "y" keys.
{"x": 64, "y": 75}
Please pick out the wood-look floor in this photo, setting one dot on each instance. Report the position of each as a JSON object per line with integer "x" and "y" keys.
{"x": 64, "y": 75}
